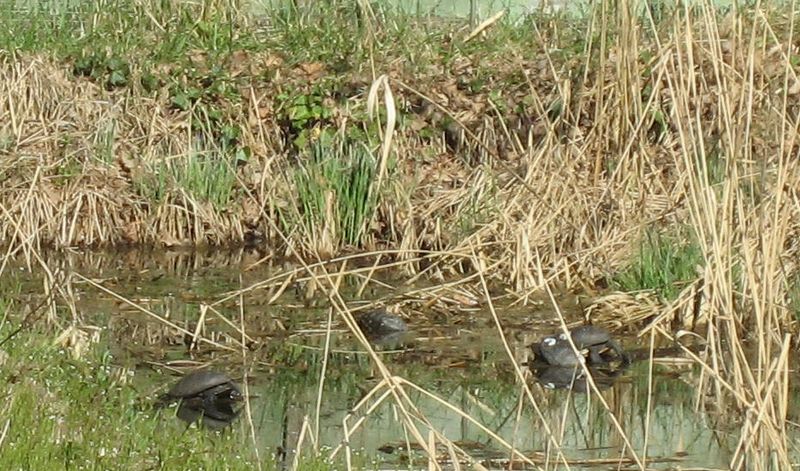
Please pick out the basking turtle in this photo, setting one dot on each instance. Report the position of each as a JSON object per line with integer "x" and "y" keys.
{"x": 592, "y": 341}
{"x": 557, "y": 352}
{"x": 598, "y": 341}
{"x": 380, "y": 323}
{"x": 203, "y": 387}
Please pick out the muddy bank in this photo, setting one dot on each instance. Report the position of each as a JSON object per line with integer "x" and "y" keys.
{"x": 504, "y": 142}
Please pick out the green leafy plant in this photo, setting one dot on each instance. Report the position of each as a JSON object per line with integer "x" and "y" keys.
{"x": 111, "y": 71}
{"x": 301, "y": 113}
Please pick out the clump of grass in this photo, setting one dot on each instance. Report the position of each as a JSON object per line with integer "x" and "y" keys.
{"x": 211, "y": 178}
{"x": 313, "y": 32}
{"x": 206, "y": 177}
{"x": 665, "y": 263}
{"x": 335, "y": 192}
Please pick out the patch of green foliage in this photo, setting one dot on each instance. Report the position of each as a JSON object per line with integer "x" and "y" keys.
{"x": 64, "y": 412}
{"x": 336, "y": 175}
{"x": 665, "y": 262}
{"x": 711, "y": 167}
{"x": 302, "y": 114}
{"x": 206, "y": 176}
{"x": 208, "y": 173}
{"x": 111, "y": 71}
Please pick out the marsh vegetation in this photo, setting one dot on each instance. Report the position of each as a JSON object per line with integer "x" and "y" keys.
{"x": 632, "y": 165}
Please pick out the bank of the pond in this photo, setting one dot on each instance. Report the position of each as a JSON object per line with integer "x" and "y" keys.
{"x": 168, "y": 125}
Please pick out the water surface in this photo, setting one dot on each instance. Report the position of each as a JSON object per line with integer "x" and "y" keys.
{"x": 454, "y": 352}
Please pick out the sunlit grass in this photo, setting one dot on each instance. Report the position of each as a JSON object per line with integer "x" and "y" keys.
{"x": 336, "y": 192}
{"x": 65, "y": 412}
{"x": 664, "y": 263}
{"x": 190, "y": 122}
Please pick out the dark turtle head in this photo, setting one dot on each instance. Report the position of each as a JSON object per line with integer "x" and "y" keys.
{"x": 225, "y": 392}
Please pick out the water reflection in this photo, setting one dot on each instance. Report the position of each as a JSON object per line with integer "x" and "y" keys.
{"x": 214, "y": 415}
{"x": 455, "y": 355}
{"x": 575, "y": 378}
{"x": 205, "y": 396}
{"x": 579, "y": 422}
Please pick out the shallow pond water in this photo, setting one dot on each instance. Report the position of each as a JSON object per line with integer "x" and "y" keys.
{"x": 454, "y": 353}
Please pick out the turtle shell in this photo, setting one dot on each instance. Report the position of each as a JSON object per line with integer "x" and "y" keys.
{"x": 199, "y": 382}
{"x": 380, "y": 323}
{"x": 558, "y": 352}
{"x": 588, "y": 335}
{"x": 602, "y": 347}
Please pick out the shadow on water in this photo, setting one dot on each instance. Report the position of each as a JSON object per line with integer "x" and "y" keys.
{"x": 454, "y": 353}
{"x": 214, "y": 416}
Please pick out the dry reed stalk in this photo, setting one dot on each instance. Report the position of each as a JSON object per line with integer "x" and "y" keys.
{"x": 325, "y": 354}
{"x": 518, "y": 370}
{"x": 595, "y": 391}
{"x": 281, "y": 280}
{"x": 405, "y": 405}
{"x": 619, "y": 309}
{"x": 4, "y": 433}
{"x": 244, "y": 340}
{"x": 724, "y": 217}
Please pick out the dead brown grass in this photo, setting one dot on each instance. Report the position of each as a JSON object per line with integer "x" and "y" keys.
{"x": 527, "y": 201}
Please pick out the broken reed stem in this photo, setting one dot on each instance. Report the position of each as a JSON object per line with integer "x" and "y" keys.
{"x": 244, "y": 340}
{"x": 323, "y": 370}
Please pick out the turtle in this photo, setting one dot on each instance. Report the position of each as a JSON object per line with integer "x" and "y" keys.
{"x": 595, "y": 346}
{"x": 204, "y": 387}
{"x": 380, "y": 323}
{"x": 601, "y": 347}
{"x": 557, "y": 352}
